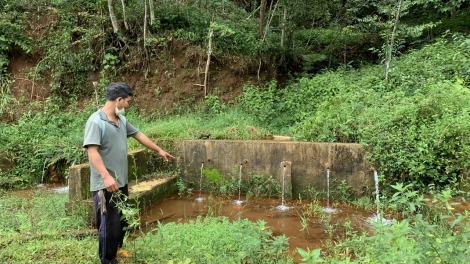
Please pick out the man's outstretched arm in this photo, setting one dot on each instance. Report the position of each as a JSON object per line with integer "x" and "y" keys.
{"x": 148, "y": 143}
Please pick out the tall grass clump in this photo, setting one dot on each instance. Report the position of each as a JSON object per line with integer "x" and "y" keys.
{"x": 46, "y": 136}
{"x": 432, "y": 232}
{"x": 213, "y": 240}
{"x": 35, "y": 228}
{"x": 206, "y": 123}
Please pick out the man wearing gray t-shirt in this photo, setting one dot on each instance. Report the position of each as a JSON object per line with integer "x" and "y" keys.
{"x": 105, "y": 139}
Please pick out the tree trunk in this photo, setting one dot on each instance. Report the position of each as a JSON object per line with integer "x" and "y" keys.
{"x": 392, "y": 41}
{"x": 145, "y": 20}
{"x": 152, "y": 12}
{"x": 124, "y": 15}
{"x": 266, "y": 29}
{"x": 208, "y": 62}
{"x": 261, "y": 16}
{"x": 283, "y": 26}
{"x": 145, "y": 36}
{"x": 112, "y": 16}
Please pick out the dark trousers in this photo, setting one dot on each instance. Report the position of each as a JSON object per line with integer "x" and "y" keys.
{"x": 111, "y": 228}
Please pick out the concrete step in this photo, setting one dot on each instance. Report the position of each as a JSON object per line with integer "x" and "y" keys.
{"x": 142, "y": 193}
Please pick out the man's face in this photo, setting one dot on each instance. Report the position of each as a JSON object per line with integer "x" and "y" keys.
{"x": 123, "y": 102}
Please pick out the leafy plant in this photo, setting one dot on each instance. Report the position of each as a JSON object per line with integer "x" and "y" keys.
{"x": 11, "y": 35}
{"x": 214, "y": 240}
{"x": 343, "y": 191}
{"x": 408, "y": 201}
{"x": 261, "y": 185}
{"x": 213, "y": 176}
{"x": 130, "y": 212}
{"x": 310, "y": 256}
{"x": 214, "y": 105}
{"x": 399, "y": 122}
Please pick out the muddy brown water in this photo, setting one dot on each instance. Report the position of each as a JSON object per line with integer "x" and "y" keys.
{"x": 305, "y": 223}
{"x": 55, "y": 187}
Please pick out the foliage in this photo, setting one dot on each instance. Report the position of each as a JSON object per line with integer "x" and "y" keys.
{"x": 277, "y": 108}
{"x": 192, "y": 22}
{"x": 42, "y": 140}
{"x": 42, "y": 213}
{"x": 48, "y": 250}
{"x": 230, "y": 123}
{"x": 8, "y": 103}
{"x": 213, "y": 176}
{"x": 341, "y": 191}
{"x": 407, "y": 200}
{"x": 71, "y": 50}
{"x": 415, "y": 239}
{"x": 213, "y": 240}
{"x": 129, "y": 212}
{"x": 11, "y": 35}
{"x": 37, "y": 228}
{"x": 310, "y": 256}
{"x": 329, "y": 47}
{"x": 403, "y": 123}
{"x": 261, "y": 185}
{"x": 214, "y": 105}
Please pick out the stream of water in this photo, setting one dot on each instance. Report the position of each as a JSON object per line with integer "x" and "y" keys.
{"x": 283, "y": 207}
{"x": 239, "y": 201}
{"x": 328, "y": 209}
{"x": 200, "y": 198}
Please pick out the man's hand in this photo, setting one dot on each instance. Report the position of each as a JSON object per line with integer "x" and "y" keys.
{"x": 144, "y": 140}
{"x": 110, "y": 184}
{"x": 165, "y": 155}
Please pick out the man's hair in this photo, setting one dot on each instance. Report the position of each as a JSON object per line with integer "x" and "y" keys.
{"x": 118, "y": 89}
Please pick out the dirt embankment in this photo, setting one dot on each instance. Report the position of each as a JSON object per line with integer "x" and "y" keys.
{"x": 171, "y": 79}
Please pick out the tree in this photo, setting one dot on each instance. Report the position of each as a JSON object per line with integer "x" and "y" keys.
{"x": 386, "y": 20}
{"x": 261, "y": 16}
{"x": 112, "y": 16}
{"x": 388, "y": 54}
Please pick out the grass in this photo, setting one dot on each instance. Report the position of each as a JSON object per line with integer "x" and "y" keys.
{"x": 229, "y": 124}
{"x": 35, "y": 228}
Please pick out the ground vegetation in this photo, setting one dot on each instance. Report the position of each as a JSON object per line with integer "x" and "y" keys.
{"x": 392, "y": 75}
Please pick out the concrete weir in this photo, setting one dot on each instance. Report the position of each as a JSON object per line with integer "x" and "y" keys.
{"x": 303, "y": 164}
{"x": 306, "y": 162}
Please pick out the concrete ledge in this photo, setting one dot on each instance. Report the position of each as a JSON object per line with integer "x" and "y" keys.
{"x": 79, "y": 182}
{"x": 308, "y": 162}
{"x": 140, "y": 163}
{"x": 146, "y": 192}
{"x": 142, "y": 194}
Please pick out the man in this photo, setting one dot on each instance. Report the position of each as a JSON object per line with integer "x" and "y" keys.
{"x": 105, "y": 139}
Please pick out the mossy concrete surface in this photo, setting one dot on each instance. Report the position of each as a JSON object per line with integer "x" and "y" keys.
{"x": 142, "y": 193}
{"x": 308, "y": 161}
{"x": 140, "y": 163}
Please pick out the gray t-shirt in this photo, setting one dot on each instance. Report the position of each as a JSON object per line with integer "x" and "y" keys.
{"x": 112, "y": 139}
